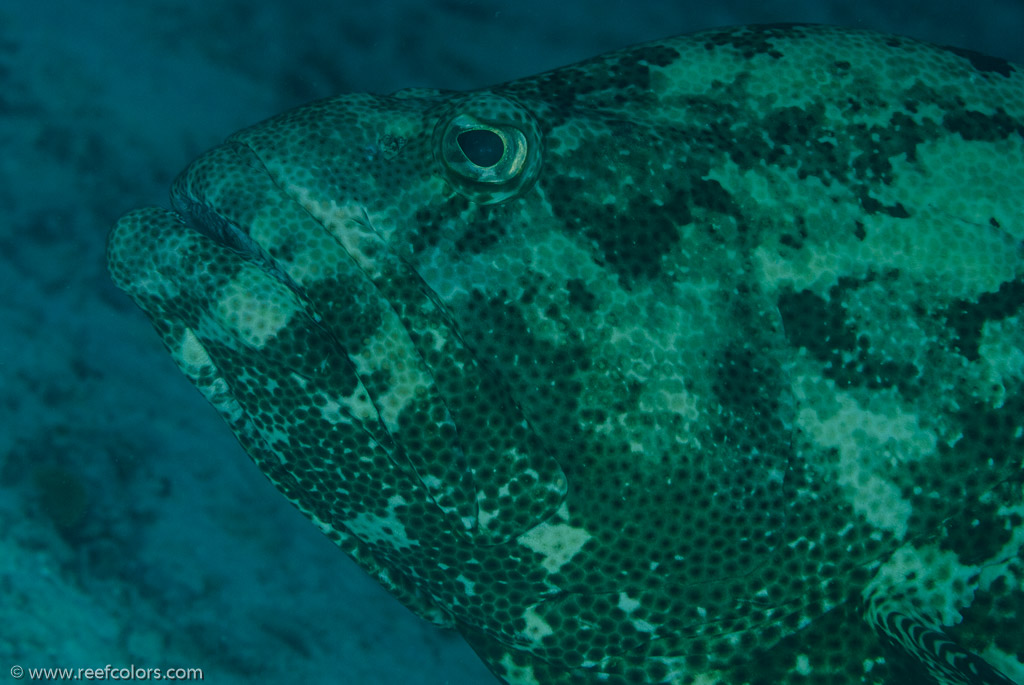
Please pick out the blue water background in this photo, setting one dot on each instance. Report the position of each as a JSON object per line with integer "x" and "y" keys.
{"x": 133, "y": 530}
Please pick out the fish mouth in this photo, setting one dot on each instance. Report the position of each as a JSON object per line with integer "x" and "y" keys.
{"x": 219, "y": 229}
{"x": 229, "y": 234}
{"x": 206, "y": 220}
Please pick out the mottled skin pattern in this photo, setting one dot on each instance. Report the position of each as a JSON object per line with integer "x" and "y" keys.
{"x": 698, "y": 362}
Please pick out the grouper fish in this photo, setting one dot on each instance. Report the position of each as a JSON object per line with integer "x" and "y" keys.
{"x": 697, "y": 362}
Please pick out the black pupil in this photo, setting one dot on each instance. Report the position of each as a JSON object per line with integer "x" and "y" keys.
{"x": 481, "y": 146}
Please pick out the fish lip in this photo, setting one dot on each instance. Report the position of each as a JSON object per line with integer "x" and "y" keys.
{"x": 206, "y": 221}
{"x": 217, "y": 228}
{"x": 191, "y": 199}
{"x": 209, "y": 223}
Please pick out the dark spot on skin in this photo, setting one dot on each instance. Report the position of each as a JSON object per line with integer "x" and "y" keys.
{"x": 795, "y": 240}
{"x": 747, "y": 384}
{"x": 580, "y": 296}
{"x": 711, "y": 195}
{"x": 351, "y": 321}
{"x": 428, "y": 230}
{"x": 534, "y": 369}
{"x": 657, "y": 55}
{"x": 898, "y": 211}
{"x": 873, "y": 206}
{"x": 816, "y": 324}
{"x": 799, "y": 138}
{"x": 482, "y": 233}
{"x": 986, "y": 608}
{"x": 972, "y": 125}
{"x": 428, "y": 225}
{"x": 983, "y": 63}
{"x": 633, "y": 233}
{"x": 859, "y": 231}
{"x": 973, "y": 542}
{"x": 906, "y": 133}
{"x": 755, "y": 40}
{"x": 792, "y": 125}
{"x": 967, "y": 318}
{"x": 986, "y": 457}
{"x": 623, "y": 79}
{"x": 877, "y": 146}
{"x": 529, "y": 295}
{"x": 823, "y": 327}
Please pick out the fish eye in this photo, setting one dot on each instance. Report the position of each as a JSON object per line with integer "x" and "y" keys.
{"x": 488, "y": 147}
{"x": 481, "y": 146}
{"x": 484, "y": 153}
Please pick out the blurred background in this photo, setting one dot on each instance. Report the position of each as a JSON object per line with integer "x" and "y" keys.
{"x": 133, "y": 529}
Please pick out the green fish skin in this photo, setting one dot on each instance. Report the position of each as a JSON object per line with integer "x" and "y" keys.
{"x": 696, "y": 362}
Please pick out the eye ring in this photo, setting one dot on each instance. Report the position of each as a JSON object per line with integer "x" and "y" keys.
{"x": 488, "y": 147}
